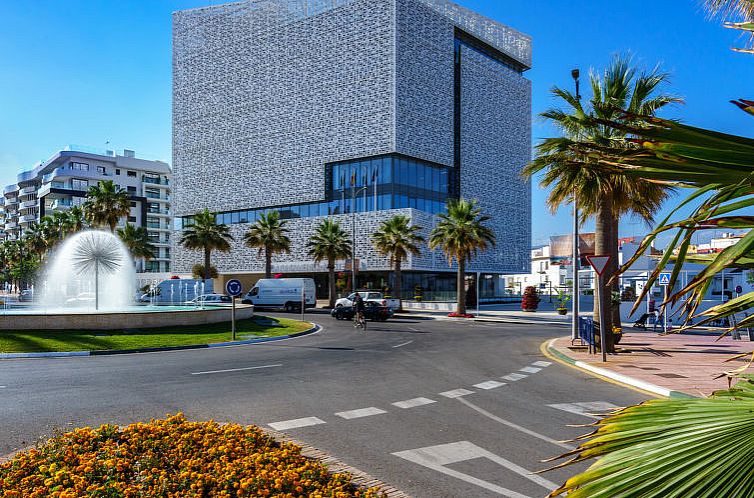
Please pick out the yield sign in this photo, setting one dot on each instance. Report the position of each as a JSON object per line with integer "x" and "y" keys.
{"x": 599, "y": 263}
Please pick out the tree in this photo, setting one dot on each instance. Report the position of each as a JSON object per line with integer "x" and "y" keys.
{"x": 106, "y": 204}
{"x": 329, "y": 243}
{"x": 461, "y": 234}
{"x": 137, "y": 241}
{"x": 618, "y": 93}
{"x": 268, "y": 234}
{"x": 396, "y": 238}
{"x": 207, "y": 235}
{"x": 75, "y": 220}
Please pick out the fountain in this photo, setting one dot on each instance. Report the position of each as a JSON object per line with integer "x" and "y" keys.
{"x": 89, "y": 283}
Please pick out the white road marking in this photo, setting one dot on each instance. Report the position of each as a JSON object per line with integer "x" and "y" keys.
{"x": 531, "y": 370}
{"x": 295, "y": 423}
{"x": 403, "y": 344}
{"x": 456, "y": 393}
{"x": 237, "y": 369}
{"x": 586, "y": 409}
{"x": 514, "y": 426}
{"x": 411, "y": 403}
{"x": 2, "y": 387}
{"x": 514, "y": 377}
{"x": 490, "y": 384}
{"x": 413, "y": 329}
{"x": 438, "y": 457}
{"x": 361, "y": 412}
{"x": 542, "y": 363}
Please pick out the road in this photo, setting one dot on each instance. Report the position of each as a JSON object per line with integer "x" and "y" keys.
{"x": 436, "y": 408}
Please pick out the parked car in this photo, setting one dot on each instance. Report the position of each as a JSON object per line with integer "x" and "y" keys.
{"x": 372, "y": 311}
{"x": 26, "y": 296}
{"x": 211, "y": 299}
{"x": 368, "y": 296}
{"x": 283, "y": 293}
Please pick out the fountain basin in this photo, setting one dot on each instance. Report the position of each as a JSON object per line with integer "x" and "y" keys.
{"x": 136, "y": 317}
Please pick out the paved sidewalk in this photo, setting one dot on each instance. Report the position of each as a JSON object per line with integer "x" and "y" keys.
{"x": 677, "y": 363}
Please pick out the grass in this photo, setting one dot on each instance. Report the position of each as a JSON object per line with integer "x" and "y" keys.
{"x": 87, "y": 340}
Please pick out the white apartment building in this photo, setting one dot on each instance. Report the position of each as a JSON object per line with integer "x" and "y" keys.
{"x": 62, "y": 181}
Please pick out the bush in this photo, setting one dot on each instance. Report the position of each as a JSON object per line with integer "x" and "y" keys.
{"x": 530, "y": 300}
{"x": 197, "y": 271}
{"x": 171, "y": 457}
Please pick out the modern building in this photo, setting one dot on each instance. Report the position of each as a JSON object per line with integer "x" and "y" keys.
{"x": 63, "y": 180}
{"x": 352, "y": 109}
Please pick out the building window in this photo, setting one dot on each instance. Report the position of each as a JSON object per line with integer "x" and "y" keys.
{"x": 132, "y": 173}
{"x": 133, "y": 204}
{"x": 117, "y": 172}
{"x": 131, "y": 190}
{"x": 101, "y": 169}
{"x": 80, "y": 166}
{"x": 77, "y": 184}
{"x": 132, "y": 219}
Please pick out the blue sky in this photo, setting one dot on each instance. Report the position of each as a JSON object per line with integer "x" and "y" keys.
{"x": 88, "y": 72}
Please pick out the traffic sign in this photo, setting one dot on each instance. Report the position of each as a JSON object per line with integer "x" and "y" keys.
{"x": 233, "y": 287}
{"x": 739, "y": 289}
{"x": 599, "y": 263}
{"x": 664, "y": 278}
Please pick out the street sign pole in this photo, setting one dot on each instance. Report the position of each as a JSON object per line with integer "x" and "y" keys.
{"x": 664, "y": 281}
{"x": 233, "y": 317}
{"x": 234, "y": 288}
{"x": 599, "y": 263}
{"x": 303, "y": 302}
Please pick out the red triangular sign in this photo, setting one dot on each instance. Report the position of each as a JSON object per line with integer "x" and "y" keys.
{"x": 599, "y": 263}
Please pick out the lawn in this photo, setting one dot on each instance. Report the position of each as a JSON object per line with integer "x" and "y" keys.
{"x": 88, "y": 340}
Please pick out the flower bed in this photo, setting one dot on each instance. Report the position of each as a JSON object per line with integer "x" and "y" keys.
{"x": 460, "y": 315}
{"x": 171, "y": 458}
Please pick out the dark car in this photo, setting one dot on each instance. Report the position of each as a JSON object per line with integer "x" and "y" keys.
{"x": 372, "y": 311}
{"x": 26, "y": 296}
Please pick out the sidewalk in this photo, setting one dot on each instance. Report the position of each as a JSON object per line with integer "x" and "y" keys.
{"x": 671, "y": 365}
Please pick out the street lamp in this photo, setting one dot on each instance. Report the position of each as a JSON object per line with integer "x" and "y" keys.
{"x": 354, "y": 193}
{"x": 575, "y": 261}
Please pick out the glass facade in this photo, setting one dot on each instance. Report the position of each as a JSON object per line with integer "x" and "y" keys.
{"x": 372, "y": 184}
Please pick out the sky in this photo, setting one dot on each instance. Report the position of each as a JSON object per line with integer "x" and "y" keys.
{"x": 98, "y": 73}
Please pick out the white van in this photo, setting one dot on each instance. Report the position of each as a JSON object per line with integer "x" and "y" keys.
{"x": 282, "y": 293}
{"x": 176, "y": 291}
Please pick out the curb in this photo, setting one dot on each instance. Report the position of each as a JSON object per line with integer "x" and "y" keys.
{"x": 523, "y": 321}
{"x": 109, "y": 352}
{"x": 548, "y": 348}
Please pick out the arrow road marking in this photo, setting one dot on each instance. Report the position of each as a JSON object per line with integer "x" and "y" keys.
{"x": 586, "y": 409}
{"x": 237, "y": 369}
{"x": 438, "y": 457}
{"x": 295, "y": 423}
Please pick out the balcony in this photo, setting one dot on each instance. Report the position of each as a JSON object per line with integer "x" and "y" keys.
{"x": 28, "y": 190}
{"x": 10, "y": 189}
{"x": 158, "y": 212}
{"x": 28, "y": 218}
{"x": 60, "y": 204}
{"x": 13, "y": 201}
{"x": 155, "y": 181}
{"x": 29, "y": 204}
{"x": 11, "y": 225}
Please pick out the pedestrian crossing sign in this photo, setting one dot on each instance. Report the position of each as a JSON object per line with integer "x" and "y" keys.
{"x": 664, "y": 278}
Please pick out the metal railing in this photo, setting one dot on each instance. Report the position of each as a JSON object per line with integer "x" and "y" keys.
{"x": 586, "y": 333}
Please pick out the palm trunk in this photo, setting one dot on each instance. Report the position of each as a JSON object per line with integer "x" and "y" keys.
{"x": 331, "y": 281}
{"x": 461, "y": 286}
{"x": 207, "y": 252}
{"x": 398, "y": 283}
{"x": 603, "y": 240}
{"x": 267, "y": 263}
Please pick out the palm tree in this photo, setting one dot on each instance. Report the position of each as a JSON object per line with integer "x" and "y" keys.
{"x": 461, "y": 234}
{"x": 268, "y": 234}
{"x": 106, "y": 204}
{"x": 137, "y": 241}
{"x": 75, "y": 220}
{"x": 617, "y": 93}
{"x": 207, "y": 235}
{"x": 329, "y": 243}
{"x": 396, "y": 238}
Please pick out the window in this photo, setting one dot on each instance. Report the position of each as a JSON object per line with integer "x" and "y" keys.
{"x": 131, "y": 190}
{"x": 132, "y": 219}
{"x": 133, "y": 204}
{"x": 80, "y": 166}
{"x": 101, "y": 169}
{"x": 132, "y": 174}
{"x": 117, "y": 172}
{"x": 77, "y": 184}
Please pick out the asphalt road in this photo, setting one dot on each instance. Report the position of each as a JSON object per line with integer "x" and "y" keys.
{"x": 436, "y": 408}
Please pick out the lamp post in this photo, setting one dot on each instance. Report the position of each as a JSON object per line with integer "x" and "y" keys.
{"x": 354, "y": 193}
{"x": 575, "y": 262}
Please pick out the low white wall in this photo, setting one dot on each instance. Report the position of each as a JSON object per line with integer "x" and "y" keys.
{"x": 120, "y": 320}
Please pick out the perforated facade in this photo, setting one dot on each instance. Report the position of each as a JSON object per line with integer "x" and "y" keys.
{"x": 270, "y": 94}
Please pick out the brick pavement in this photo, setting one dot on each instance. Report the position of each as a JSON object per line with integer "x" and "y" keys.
{"x": 688, "y": 362}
